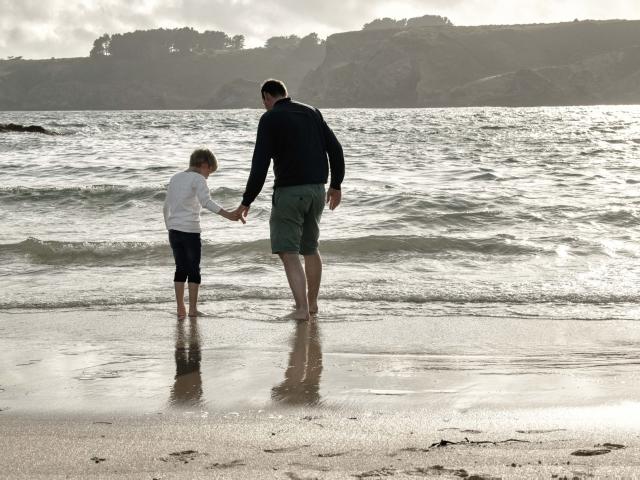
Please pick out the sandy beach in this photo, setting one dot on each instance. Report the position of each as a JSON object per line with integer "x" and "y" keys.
{"x": 242, "y": 394}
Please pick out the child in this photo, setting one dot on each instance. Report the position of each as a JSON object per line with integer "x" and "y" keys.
{"x": 186, "y": 195}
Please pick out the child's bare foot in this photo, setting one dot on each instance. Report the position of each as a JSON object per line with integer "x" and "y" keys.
{"x": 182, "y": 312}
{"x": 197, "y": 313}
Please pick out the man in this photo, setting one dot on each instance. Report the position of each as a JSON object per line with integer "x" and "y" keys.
{"x": 298, "y": 140}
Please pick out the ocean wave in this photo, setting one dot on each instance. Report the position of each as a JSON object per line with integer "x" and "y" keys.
{"x": 485, "y": 176}
{"x": 372, "y": 246}
{"x": 100, "y": 195}
{"x": 473, "y": 302}
{"x": 620, "y": 218}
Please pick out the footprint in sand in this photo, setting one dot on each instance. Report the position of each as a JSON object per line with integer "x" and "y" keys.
{"x": 222, "y": 466}
{"x": 184, "y": 456}
{"x": 438, "y": 470}
{"x": 331, "y": 455}
{"x": 285, "y": 449}
{"x": 598, "y": 450}
{"x": 611, "y": 446}
{"x": 382, "y": 472}
{"x": 590, "y": 453}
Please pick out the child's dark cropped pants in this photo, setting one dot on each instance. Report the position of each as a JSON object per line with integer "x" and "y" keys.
{"x": 186, "y": 252}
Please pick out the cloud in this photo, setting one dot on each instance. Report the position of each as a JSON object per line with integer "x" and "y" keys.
{"x": 64, "y": 28}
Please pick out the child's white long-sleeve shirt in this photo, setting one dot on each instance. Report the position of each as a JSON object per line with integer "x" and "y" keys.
{"x": 187, "y": 194}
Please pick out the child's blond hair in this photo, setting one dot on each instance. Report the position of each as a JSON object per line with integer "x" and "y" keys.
{"x": 203, "y": 155}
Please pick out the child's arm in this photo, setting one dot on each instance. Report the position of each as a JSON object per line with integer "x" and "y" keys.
{"x": 165, "y": 212}
{"x": 204, "y": 197}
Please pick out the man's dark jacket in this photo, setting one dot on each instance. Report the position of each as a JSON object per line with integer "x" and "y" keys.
{"x": 299, "y": 140}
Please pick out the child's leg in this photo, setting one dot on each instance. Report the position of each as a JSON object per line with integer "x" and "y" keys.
{"x": 194, "y": 252}
{"x": 177, "y": 243}
{"x": 182, "y": 309}
{"x": 193, "y": 299}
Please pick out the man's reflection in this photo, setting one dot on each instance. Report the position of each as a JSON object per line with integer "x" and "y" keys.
{"x": 187, "y": 387}
{"x": 301, "y": 385}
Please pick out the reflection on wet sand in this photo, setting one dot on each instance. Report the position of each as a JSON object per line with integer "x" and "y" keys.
{"x": 187, "y": 387}
{"x": 301, "y": 385}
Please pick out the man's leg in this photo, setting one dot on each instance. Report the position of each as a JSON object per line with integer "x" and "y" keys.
{"x": 297, "y": 283}
{"x": 313, "y": 271}
{"x": 309, "y": 245}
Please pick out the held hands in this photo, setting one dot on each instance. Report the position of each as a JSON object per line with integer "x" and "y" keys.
{"x": 234, "y": 216}
{"x": 242, "y": 211}
{"x": 333, "y": 198}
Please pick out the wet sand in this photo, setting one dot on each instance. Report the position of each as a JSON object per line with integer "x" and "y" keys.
{"x": 304, "y": 444}
{"x": 242, "y": 394}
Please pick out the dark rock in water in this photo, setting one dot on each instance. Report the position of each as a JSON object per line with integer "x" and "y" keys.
{"x": 12, "y": 127}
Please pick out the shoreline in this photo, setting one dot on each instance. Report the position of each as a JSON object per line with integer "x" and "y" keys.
{"x": 118, "y": 394}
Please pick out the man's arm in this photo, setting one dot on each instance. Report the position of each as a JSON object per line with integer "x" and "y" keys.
{"x": 260, "y": 162}
{"x": 336, "y": 164}
{"x": 336, "y": 155}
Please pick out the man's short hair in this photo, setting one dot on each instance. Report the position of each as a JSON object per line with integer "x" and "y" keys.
{"x": 203, "y": 155}
{"x": 273, "y": 87}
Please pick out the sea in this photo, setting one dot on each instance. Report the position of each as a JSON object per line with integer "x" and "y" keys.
{"x": 529, "y": 213}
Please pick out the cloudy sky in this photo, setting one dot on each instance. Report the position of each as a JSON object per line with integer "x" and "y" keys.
{"x": 67, "y": 28}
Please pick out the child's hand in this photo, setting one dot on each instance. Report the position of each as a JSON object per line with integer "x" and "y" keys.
{"x": 233, "y": 216}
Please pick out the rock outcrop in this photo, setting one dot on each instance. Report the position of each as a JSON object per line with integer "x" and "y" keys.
{"x": 518, "y": 65}
{"x": 12, "y": 127}
{"x": 415, "y": 65}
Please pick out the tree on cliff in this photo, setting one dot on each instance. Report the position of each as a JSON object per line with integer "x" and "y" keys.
{"x": 162, "y": 42}
{"x": 291, "y": 41}
{"x": 428, "y": 21}
{"x": 424, "y": 21}
{"x": 236, "y": 43}
{"x": 101, "y": 46}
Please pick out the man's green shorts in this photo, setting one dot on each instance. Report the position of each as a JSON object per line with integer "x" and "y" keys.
{"x": 295, "y": 218}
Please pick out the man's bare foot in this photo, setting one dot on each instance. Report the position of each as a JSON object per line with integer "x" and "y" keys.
{"x": 298, "y": 314}
{"x": 313, "y": 309}
{"x": 182, "y": 312}
{"x": 197, "y": 313}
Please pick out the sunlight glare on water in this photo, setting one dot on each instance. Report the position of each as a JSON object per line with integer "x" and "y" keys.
{"x": 526, "y": 211}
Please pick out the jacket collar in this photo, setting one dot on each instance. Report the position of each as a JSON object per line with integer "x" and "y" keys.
{"x": 282, "y": 102}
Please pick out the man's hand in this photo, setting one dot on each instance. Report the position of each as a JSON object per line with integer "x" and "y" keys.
{"x": 333, "y": 198}
{"x": 242, "y": 211}
{"x": 233, "y": 216}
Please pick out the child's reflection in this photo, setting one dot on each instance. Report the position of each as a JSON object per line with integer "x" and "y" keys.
{"x": 187, "y": 387}
{"x": 301, "y": 383}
